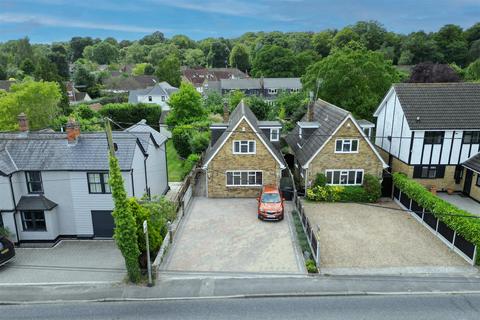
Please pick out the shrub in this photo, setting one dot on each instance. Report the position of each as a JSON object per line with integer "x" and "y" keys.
{"x": 463, "y": 222}
{"x": 372, "y": 187}
{"x": 161, "y": 209}
{"x": 126, "y": 113}
{"x": 320, "y": 180}
{"x": 311, "y": 266}
{"x": 181, "y": 136}
{"x": 190, "y": 162}
{"x": 326, "y": 193}
{"x": 199, "y": 141}
{"x": 155, "y": 225}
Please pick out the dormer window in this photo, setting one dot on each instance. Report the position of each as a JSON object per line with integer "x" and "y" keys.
{"x": 244, "y": 147}
{"x": 274, "y": 134}
{"x": 346, "y": 146}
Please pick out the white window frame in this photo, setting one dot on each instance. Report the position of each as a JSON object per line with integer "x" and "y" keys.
{"x": 272, "y": 91}
{"x": 239, "y": 174}
{"x": 344, "y": 171}
{"x": 350, "y": 141}
{"x": 247, "y": 142}
{"x": 150, "y": 98}
{"x": 277, "y": 130}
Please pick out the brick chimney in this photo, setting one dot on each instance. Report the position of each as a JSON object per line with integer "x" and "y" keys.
{"x": 73, "y": 131}
{"x": 23, "y": 122}
{"x": 310, "y": 112}
{"x": 226, "y": 112}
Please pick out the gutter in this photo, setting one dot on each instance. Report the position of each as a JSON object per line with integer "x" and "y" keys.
{"x": 147, "y": 189}
{"x": 14, "y": 210}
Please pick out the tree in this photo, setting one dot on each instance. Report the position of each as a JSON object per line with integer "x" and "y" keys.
{"x": 185, "y": 106}
{"x": 372, "y": 33}
{"x": 27, "y": 66}
{"x": 472, "y": 33}
{"x": 474, "y": 52}
{"x": 213, "y": 102}
{"x": 304, "y": 60}
{"x": 433, "y": 72}
{"x": 60, "y": 61}
{"x": 352, "y": 79}
{"x": 345, "y": 36}
{"x": 183, "y": 42}
{"x": 136, "y": 53}
{"x": 406, "y": 58}
{"x": 234, "y": 97}
{"x": 274, "y": 61}
{"x": 239, "y": 57}
{"x": 149, "y": 69}
{"x": 423, "y": 47}
{"x": 77, "y": 44}
{"x": 169, "y": 70}
{"x": 83, "y": 77}
{"x": 452, "y": 44}
{"x": 300, "y": 41}
{"x": 125, "y": 232}
{"x": 322, "y": 42}
{"x": 46, "y": 70}
{"x": 218, "y": 55}
{"x": 194, "y": 58}
{"x": 259, "y": 107}
{"x": 473, "y": 71}
{"x": 101, "y": 53}
{"x": 139, "y": 69}
{"x": 154, "y": 38}
{"x": 38, "y": 100}
{"x": 161, "y": 51}
{"x": 3, "y": 73}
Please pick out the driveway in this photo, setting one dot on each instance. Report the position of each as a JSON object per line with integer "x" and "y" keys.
{"x": 70, "y": 261}
{"x": 224, "y": 235}
{"x": 378, "y": 238}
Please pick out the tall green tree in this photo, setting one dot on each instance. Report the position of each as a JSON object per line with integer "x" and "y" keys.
{"x": 185, "y": 106}
{"x": 473, "y": 71}
{"x": 322, "y": 42}
{"x": 423, "y": 47}
{"x": 239, "y": 57}
{"x": 169, "y": 70}
{"x": 194, "y": 58}
{"x": 344, "y": 37}
{"x": 101, "y": 53}
{"x": 77, "y": 44}
{"x": 183, "y": 42}
{"x": 152, "y": 39}
{"x": 352, "y": 79}
{"x": 452, "y": 44}
{"x": 38, "y": 100}
{"x": 218, "y": 55}
{"x": 372, "y": 33}
{"x": 274, "y": 61}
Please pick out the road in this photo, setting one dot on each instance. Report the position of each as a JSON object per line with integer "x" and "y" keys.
{"x": 390, "y": 307}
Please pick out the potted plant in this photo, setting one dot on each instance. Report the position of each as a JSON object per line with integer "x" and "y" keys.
{"x": 450, "y": 191}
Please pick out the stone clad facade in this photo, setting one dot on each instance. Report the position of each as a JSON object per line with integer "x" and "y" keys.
{"x": 225, "y": 160}
{"x": 327, "y": 159}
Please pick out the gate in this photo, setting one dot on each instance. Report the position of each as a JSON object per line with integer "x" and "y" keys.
{"x": 387, "y": 184}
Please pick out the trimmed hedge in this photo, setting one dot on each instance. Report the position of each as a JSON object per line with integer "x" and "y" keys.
{"x": 127, "y": 113}
{"x": 455, "y": 218}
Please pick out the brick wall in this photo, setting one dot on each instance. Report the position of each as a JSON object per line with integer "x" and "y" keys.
{"x": 225, "y": 160}
{"x": 365, "y": 159}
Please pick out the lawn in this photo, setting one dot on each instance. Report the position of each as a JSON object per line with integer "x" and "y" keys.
{"x": 176, "y": 172}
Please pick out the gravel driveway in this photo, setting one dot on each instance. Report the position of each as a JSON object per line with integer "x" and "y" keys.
{"x": 70, "y": 261}
{"x": 369, "y": 236}
{"x": 225, "y": 235}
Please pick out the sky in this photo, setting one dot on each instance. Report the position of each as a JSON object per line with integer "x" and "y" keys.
{"x": 45, "y": 21}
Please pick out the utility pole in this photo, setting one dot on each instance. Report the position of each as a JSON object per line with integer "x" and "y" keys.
{"x": 149, "y": 265}
{"x": 108, "y": 131}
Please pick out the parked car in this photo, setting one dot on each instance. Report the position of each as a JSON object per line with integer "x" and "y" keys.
{"x": 7, "y": 250}
{"x": 270, "y": 204}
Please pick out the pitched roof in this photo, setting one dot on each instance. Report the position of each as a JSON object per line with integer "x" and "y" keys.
{"x": 160, "y": 89}
{"x": 240, "y": 84}
{"x": 261, "y": 83}
{"x": 282, "y": 83}
{"x": 50, "y": 151}
{"x": 242, "y": 111}
{"x": 440, "y": 106}
{"x": 37, "y": 202}
{"x": 130, "y": 82}
{"x": 329, "y": 117}
{"x": 198, "y": 76}
{"x": 473, "y": 163}
{"x": 143, "y": 127}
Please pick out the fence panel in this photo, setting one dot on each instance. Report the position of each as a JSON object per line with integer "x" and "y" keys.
{"x": 445, "y": 231}
{"x": 430, "y": 220}
{"x": 463, "y": 245}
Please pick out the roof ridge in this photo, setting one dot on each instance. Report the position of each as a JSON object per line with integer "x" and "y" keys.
{"x": 346, "y": 112}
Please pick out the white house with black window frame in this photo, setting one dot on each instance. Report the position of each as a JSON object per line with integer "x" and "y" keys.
{"x": 330, "y": 141}
{"x": 243, "y": 155}
{"x": 55, "y": 185}
{"x": 427, "y": 130}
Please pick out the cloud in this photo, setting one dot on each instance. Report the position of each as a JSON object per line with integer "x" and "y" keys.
{"x": 71, "y": 23}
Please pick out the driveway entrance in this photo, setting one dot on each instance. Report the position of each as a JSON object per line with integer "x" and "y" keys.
{"x": 225, "y": 235}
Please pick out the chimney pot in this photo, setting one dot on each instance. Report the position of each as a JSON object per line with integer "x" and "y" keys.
{"x": 73, "y": 131}
{"x": 23, "y": 122}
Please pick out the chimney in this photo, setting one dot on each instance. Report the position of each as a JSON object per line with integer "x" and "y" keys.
{"x": 23, "y": 122}
{"x": 73, "y": 131}
{"x": 310, "y": 112}
{"x": 226, "y": 112}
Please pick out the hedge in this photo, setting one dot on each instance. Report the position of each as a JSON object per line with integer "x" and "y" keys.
{"x": 127, "y": 113}
{"x": 455, "y": 218}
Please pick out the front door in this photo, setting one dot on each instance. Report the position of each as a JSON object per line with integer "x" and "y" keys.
{"x": 468, "y": 182}
{"x": 103, "y": 224}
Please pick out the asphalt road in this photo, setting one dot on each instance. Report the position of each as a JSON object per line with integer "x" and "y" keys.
{"x": 390, "y": 307}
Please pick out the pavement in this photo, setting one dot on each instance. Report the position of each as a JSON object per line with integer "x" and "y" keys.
{"x": 437, "y": 307}
{"x": 461, "y": 201}
{"x": 225, "y": 235}
{"x": 69, "y": 261}
{"x": 378, "y": 239}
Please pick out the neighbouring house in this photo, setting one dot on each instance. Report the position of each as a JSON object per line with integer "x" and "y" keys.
{"x": 428, "y": 130}
{"x": 75, "y": 96}
{"x": 471, "y": 182}
{"x": 157, "y": 94}
{"x": 268, "y": 88}
{"x": 121, "y": 83}
{"x": 55, "y": 185}
{"x": 330, "y": 141}
{"x": 201, "y": 78}
{"x": 243, "y": 155}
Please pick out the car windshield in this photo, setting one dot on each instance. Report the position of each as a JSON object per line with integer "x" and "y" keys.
{"x": 270, "y": 198}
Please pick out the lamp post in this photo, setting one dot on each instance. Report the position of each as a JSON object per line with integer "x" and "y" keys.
{"x": 149, "y": 266}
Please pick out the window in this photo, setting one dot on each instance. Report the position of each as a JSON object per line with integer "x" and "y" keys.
{"x": 98, "y": 182}
{"x": 471, "y": 137}
{"x": 300, "y": 133}
{"x": 428, "y": 172}
{"x": 150, "y": 98}
{"x": 272, "y": 91}
{"x": 34, "y": 181}
{"x": 163, "y": 98}
{"x": 244, "y": 178}
{"x": 345, "y": 177}
{"x": 33, "y": 221}
{"x": 478, "y": 179}
{"x": 244, "y": 147}
{"x": 274, "y": 134}
{"x": 458, "y": 175}
{"x": 433, "y": 137}
{"x": 346, "y": 146}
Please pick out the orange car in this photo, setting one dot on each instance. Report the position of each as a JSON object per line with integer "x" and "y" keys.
{"x": 270, "y": 204}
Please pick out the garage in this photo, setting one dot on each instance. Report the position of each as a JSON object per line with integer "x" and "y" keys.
{"x": 103, "y": 224}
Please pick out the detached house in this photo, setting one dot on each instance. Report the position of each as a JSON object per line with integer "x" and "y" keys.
{"x": 158, "y": 94}
{"x": 243, "y": 155}
{"x": 430, "y": 130}
{"x": 329, "y": 140}
{"x": 55, "y": 185}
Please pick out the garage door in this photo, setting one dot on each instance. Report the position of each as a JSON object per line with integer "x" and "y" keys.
{"x": 102, "y": 224}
